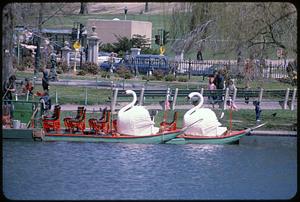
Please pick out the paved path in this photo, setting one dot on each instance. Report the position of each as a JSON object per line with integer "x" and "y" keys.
{"x": 241, "y": 105}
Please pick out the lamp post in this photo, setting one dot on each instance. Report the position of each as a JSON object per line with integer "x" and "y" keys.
{"x": 20, "y": 39}
{"x": 125, "y": 11}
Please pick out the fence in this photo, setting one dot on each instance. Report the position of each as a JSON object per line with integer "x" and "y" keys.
{"x": 268, "y": 69}
{"x": 285, "y": 99}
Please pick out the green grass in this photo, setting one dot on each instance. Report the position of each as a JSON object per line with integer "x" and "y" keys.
{"x": 194, "y": 82}
{"x": 74, "y": 95}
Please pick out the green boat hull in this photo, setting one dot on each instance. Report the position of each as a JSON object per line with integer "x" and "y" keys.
{"x": 11, "y": 133}
{"x": 148, "y": 139}
{"x": 229, "y": 138}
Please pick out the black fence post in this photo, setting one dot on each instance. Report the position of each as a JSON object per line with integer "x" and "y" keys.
{"x": 190, "y": 62}
{"x": 270, "y": 66}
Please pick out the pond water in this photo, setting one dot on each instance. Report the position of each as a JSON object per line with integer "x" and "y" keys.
{"x": 101, "y": 171}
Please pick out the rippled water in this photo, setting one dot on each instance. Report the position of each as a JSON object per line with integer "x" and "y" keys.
{"x": 64, "y": 170}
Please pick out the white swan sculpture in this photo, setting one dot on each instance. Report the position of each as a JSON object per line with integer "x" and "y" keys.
{"x": 208, "y": 126}
{"x": 135, "y": 120}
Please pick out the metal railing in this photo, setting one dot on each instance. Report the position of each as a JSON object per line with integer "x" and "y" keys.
{"x": 270, "y": 69}
{"x": 286, "y": 98}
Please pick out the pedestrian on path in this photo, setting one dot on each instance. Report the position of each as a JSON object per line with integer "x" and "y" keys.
{"x": 45, "y": 79}
{"x": 257, "y": 110}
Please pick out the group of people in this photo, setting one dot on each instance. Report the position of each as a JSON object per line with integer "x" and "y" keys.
{"x": 9, "y": 87}
{"x": 217, "y": 82}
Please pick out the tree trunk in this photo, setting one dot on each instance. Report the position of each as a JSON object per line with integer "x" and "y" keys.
{"x": 146, "y": 7}
{"x": 38, "y": 50}
{"x": 83, "y": 8}
{"x": 7, "y": 41}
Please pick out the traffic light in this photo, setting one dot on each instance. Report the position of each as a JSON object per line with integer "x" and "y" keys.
{"x": 166, "y": 35}
{"x": 157, "y": 39}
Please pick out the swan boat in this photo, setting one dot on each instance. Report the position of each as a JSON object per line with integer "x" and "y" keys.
{"x": 209, "y": 130}
{"x": 133, "y": 125}
{"x": 157, "y": 138}
{"x": 229, "y": 137}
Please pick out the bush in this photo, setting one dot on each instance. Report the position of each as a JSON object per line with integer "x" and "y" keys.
{"x": 150, "y": 51}
{"x": 19, "y": 66}
{"x": 182, "y": 79}
{"x": 170, "y": 77}
{"x": 152, "y": 78}
{"x": 144, "y": 77}
{"x": 124, "y": 72}
{"x": 158, "y": 74}
{"x": 62, "y": 67}
{"x": 81, "y": 73}
{"x": 28, "y": 62}
{"x": 105, "y": 74}
{"x": 90, "y": 67}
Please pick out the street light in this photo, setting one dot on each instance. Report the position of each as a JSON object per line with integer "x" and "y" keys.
{"x": 125, "y": 11}
{"x": 20, "y": 39}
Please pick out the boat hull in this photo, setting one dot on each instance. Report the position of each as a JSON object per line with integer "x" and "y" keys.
{"x": 228, "y": 138}
{"x": 12, "y": 133}
{"x": 147, "y": 139}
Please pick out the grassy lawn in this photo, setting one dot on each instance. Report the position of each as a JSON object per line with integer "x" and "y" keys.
{"x": 73, "y": 95}
{"x": 77, "y": 94}
{"x": 196, "y": 82}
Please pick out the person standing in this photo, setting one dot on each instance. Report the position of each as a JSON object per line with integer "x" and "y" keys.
{"x": 45, "y": 79}
{"x": 219, "y": 82}
{"x": 231, "y": 87}
{"x": 199, "y": 55}
{"x": 27, "y": 88}
{"x": 8, "y": 89}
{"x": 211, "y": 86}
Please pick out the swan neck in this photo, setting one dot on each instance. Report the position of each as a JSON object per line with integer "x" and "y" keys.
{"x": 199, "y": 105}
{"x": 130, "y": 104}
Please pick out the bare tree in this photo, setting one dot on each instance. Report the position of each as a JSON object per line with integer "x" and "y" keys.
{"x": 192, "y": 39}
{"x": 241, "y": 28}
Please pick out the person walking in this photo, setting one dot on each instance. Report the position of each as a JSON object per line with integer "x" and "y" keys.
{"x": 45, "y": 79}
